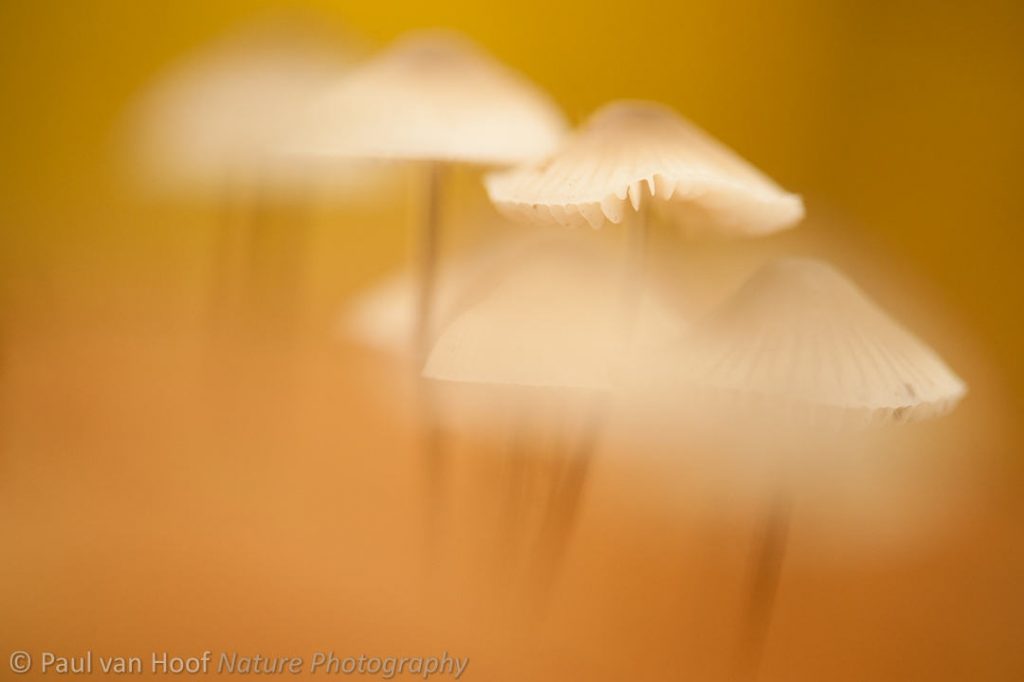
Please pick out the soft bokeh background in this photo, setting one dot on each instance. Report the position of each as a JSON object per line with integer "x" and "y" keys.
{"x": 153, "y": 498}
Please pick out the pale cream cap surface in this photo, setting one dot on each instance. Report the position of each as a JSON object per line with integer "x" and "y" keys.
{"x": 432, "y": 96}
{"x": 630, "y": 151}
{"x": 799, "y": 332}
{"x": 556, "y": 320}
{"x": 213, "y": 119}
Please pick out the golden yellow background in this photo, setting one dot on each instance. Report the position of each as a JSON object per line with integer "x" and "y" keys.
{"x": 132, "y": 521}
{"x": 903, "y": 116}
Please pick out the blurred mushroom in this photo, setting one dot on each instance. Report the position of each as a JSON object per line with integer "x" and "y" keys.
{"x": 645, "y": 153}
{"x": 435, "y": 98}
{"x": 382, "y": 316}
{"x": 545, "y": 347}
{"x": 799, "y": 334}
{"x": 208, "y": 127}
{"x": 551, "y": 322}
{"x": 800, "y": 349}
{"x": 213, "y": 118}
{"x": 628, "y": 147}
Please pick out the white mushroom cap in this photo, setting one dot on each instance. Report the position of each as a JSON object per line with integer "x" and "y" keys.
{"x": 799, "y": 333}
{"x": 555, "y": 321}
{"x": 433, "y": 96}
{"x": 383, "y": 315}
{"x": 627, "y": 149}
{"x": 213, "y": 118}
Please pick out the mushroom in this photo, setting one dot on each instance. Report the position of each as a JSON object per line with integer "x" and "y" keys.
{"x": 435, "y": 98}
{"x": 209, "y": 126}
{"x": 629, "y": 147}
{"x": 798, "y": 333}
{"x": 545, "y": 347}
{"x": 800, "y": 345}
{"x": 646, "y": 153}
{"x": 382, "y": 316}
{"x": 213, "y": 119}
{"x": 550, "y": 323}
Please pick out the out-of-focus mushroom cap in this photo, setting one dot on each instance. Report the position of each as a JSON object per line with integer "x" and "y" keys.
{"x": 213, "y": 118}
{"x": 383, "y": 315}
{"x": 433, "y": 96}
{"x": 798, "y": 333}
{"x": 555, "y": 321}
{"x": 628, "y": 151}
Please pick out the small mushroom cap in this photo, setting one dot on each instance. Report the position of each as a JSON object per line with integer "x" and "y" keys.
{"x": 433, "y": 96}
{"x": 383, "y": 315}
{"x": 628, "y": 149}
{"x": 215, "y": 117}
{"x": 800, "y": 333}
{"x": 555, "y": 321}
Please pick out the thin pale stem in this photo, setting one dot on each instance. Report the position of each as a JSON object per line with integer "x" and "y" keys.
{"x": 516, "y": 475}
{"x": 766, "y": 571}
{"x": 635, "y": 271}
{"x": 274, "y": 270}
{"x": 562, "y": 512}
{"x": 427, "y": 253}
{"x": 432, "y": 438}
{"x": 435, "y": 475}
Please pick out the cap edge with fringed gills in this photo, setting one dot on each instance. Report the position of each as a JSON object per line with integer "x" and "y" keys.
{"x": 633, "y": 151}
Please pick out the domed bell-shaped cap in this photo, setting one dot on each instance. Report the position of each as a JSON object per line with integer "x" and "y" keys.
{"x": 554, "y": 321}
{"x": 629, "y": 150}
{"x": 433, "y": 96}
{"x": 215, "y": 118}
{"x": 800, "y": 333}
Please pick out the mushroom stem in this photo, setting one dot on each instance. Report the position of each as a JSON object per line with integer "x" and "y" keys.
{"x": 766, "y": 571}
{"x": 516, "y": 474}
{"x": 427, "y": 249}
{"x": 635, "y": 271}
{"x": 563, "y": 508}
{"x": 432, "y": 443}
{"x": 435, "y": 475}
{"x": 278, "y": 238}
{"x": 259, "y": 250}
{"x": 511, "y": 514}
